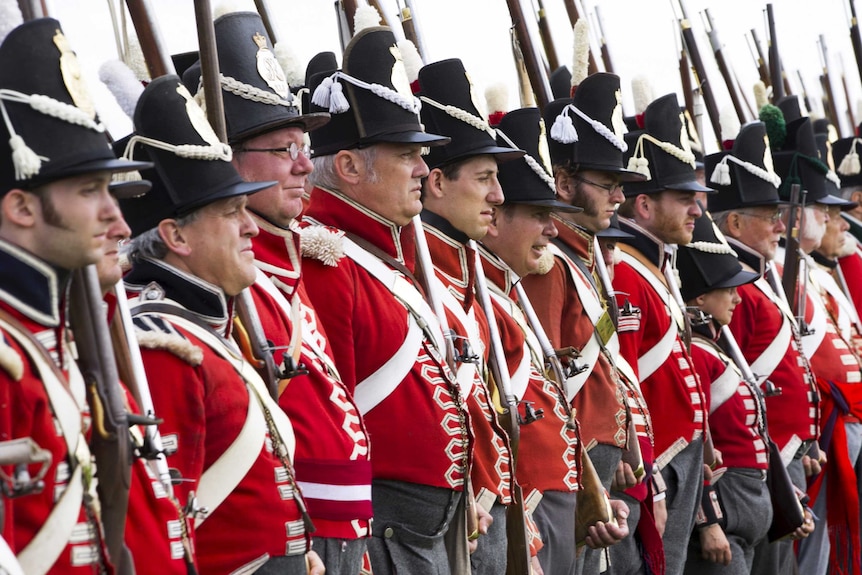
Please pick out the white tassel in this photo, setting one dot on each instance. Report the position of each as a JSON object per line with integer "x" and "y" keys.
{"x": 850, "y": 164}
{"x": 337, "y": 100}
{"x": 322, "y": 93}
{"x": 27, "y": 163}
{"x": 761, "y": 97}
{"x": 639, "y": 165}
{"x": 563, "y": 130}
{"x": 721, "y": 174}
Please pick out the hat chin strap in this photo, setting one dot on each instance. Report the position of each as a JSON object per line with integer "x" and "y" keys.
{"x": 461, "y": 114}
{"x": 256, "y": 94}
{"x": 532, "y": 163}
{"x": 220, "y": 152}
{"x": 27, "y": 163}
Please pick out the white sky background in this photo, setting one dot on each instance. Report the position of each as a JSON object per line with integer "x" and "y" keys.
{"x": 640, "y": 36}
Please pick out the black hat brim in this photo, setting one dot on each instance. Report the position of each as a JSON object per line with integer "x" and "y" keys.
{"x": 129, "y": 189}
{"x": 830, "y": 200}
{"x": 624, "y": 174}
{"x": 408, "y": 137}
{"x": 553, "y": 205}
{"x": 500, "y": 154}
{"x": 612, "y": 232}
{"x": 740, "y": 278}
{"x": 689, "y": 186}
{"x": 112, "y": 165}
{"x": 238, "y": 189}
{"x": 307, "y": 122}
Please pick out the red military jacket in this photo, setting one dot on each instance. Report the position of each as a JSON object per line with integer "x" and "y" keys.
{"x": 549, "y": 452}
{"x": 35, "y": 404}
{"x": 650, "y": 341}
{"x": 736, "y": 420}
{"x": 454, "y": 264}
{"x": 764, "y": 329}
{"x": 411, "y": 403}
{"x": 332, "y": 460}
{"x": 558, "y": 300}
{"x": 851, "y": 266}
{"x": 208, "y": 408}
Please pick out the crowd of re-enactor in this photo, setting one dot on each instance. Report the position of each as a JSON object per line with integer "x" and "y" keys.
{"x": 396, "y": 245}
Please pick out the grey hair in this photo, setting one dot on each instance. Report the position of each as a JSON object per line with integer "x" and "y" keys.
{"x": 720, "y": 219}
{"x": 847, "y": 193}
{"x": 150, "y": 244}
{"x": 325, "y": 176}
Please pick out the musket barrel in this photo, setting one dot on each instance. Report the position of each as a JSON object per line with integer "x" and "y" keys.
{"x": 775, "y": 72}
{"x": 156, "y": 56}
{"x": 264, "y": 12}
{"x": 538, "y": 80}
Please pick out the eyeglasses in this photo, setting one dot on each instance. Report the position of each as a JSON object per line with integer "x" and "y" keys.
{"x": 292, "y": 149}
{"x": 609, "y": 188}
{"x": 772, "y": 219}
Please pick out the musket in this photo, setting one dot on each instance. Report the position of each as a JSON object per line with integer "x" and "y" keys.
{"x": 109, "y": 443}
{"x": 723, "y": 66}
{"x": 684, "y": 72}
{"x": 760, "y": 58}
{"x": 525, "y": 90}
{"x": 575, "y": 12}
{"x": 603, "y": 44}
{"x": 32, "y": 9}
{"x": 605, "y": 283}
{"x": 855, "y": 37}
{"x": 790, "y": 275}
{"x": 775, "y": 69}
{"x": 156, "y": 55}
{"x": 348, "y": 7}
{"x": 699, "y": 69}
{"x": 850, "y": 115}
{"x": 805, "y": 99}
{"x": 743, "y": 93}
{"x": 826, "y": 83}
{"x": 534, "y": 66}
{"x": 546, "y": 37}
{"x": 518, "y": 551}
{"x": 419, "y": 39}
{"x": 130, "y": 367}
{"x": 264, "y": 12}
{"x": 411, "y": 30}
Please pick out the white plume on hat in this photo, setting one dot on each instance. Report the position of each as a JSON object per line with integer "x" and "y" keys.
{"x": 728, "y": 123}
{"x": 412, "y": 59}
{"x": 761, "y": 97}
{"x": 228, "y": 6}
{"x": 290, "y": 63}
{"x": 581, "y": 57}
{"x": 642, "y": 93}
{"x": 134, "y": 58}
{"x": 123, "y": 84}
{"x": 366, "y": 16}
{"x": 10, "y": 17}
{"x": 497, "y": 97}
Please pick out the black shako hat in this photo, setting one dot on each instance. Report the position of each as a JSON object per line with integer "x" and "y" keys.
{"x": 191, "y": 167}
{"x": 789, "y": 106}
{"x": 743, "y": 176}
{"x": 257, "y": 97}
{"x": 662, "y": 152}
{"x": 845, "y": 156}
{"x": 591, "y": 128}
{"x": 797, "y": 162}
{"x": 320, "y": 62}
{"x": 708, "y": 262}
{"x": 613, "y": 230}
{"x": 49, "y": 128}
{"x": 450, "y": 107}
{"x": 561, "y": 82}
{"x": 526, "y": 180}
{"x": 369, "y": 98}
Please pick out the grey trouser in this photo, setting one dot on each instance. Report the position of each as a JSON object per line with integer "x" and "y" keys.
{"x": 626, "y": 556}
{"x": 778, "y": 558}
{"x": 555, "y": 519}
{"x": 490, "y": 555}
{"x": 410, "y": 522}
{"x": 605, "y": 459}
{"x": 340, "y": 556}
{"x": 747, "y": 515}
{"x": 289, "y": 565}
{"x": 684, "y": 479}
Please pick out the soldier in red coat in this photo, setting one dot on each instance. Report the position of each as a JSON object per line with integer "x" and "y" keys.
{"x": 570, "y": 299}
{"x": 191, "y": 255}
{"x": 747, "y": 210}
{"x": 459, "y": 196}
{"x": 55, "y": 166}
{"x": 267, "y": 134}
{"x": 735, "y": 508}
{"x": 358, "y": 268}
{"x": 660, "y": 213}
